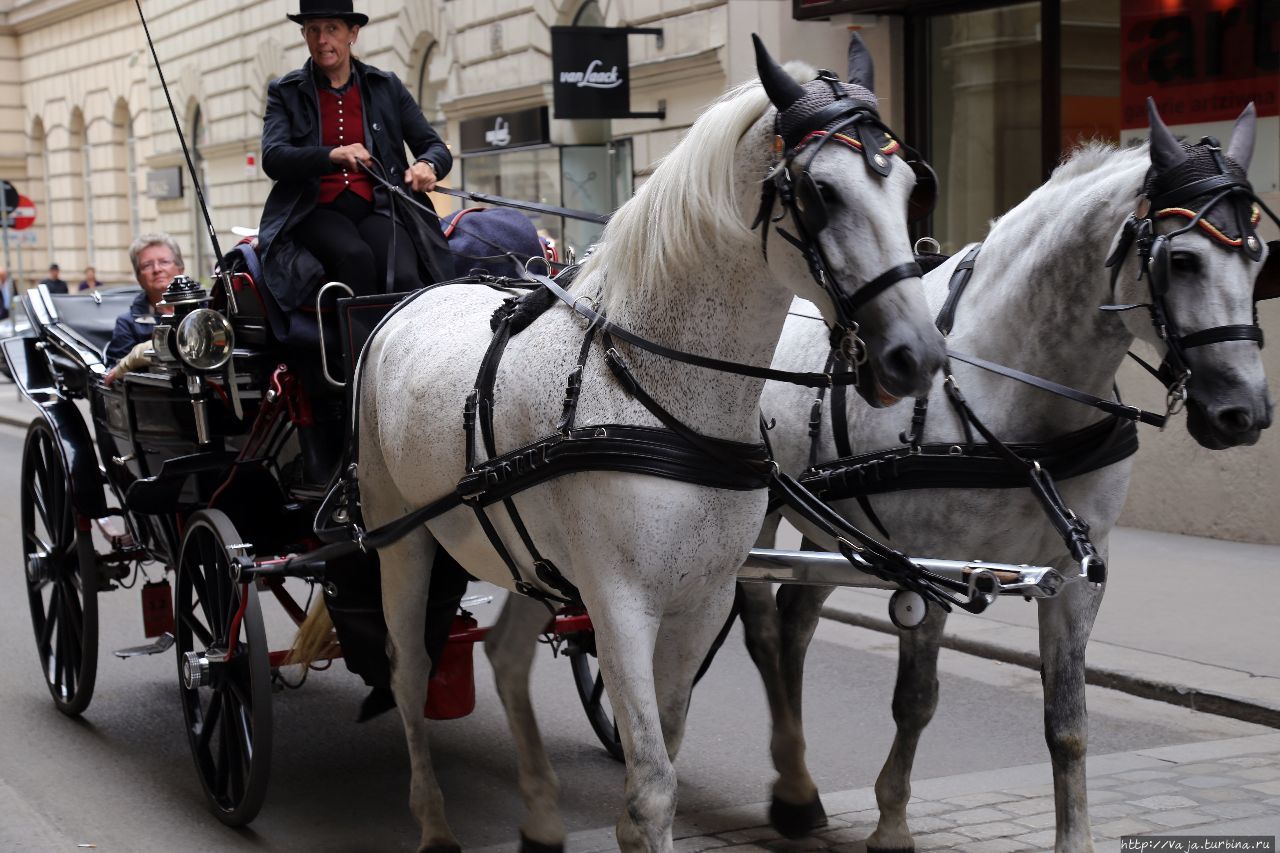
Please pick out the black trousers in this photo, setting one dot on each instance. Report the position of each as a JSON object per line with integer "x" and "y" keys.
{"x": 351, "y": 241}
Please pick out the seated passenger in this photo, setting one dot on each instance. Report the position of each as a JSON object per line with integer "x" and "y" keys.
{"x": 325, "y": 218}
{"x": 156, "y": 261}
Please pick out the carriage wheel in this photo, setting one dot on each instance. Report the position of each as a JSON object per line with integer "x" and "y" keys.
{"x": 61, "y": 573}
{"x": 224, "y": 671}
{"x": 581, "y": 651}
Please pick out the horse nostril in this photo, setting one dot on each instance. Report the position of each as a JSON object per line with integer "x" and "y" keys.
{"x": 902, "y": 366}
{"x": 1236, "y": 420}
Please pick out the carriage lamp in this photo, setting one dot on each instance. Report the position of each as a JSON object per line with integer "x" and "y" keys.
{"x": 196, "y": 335}
{"x": 204, "y": 340}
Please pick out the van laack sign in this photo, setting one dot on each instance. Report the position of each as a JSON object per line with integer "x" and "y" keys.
{"x": 590, "y": 67}
{"x": 1202, "y": 60}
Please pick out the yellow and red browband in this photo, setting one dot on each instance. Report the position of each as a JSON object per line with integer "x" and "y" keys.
{"x": 890, "y": 147}
{"x": 1208, "y": 226}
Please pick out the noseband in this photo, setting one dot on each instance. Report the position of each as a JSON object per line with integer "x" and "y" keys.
{"x": 1228, "y": 193}
{"x": 856, "y": 125}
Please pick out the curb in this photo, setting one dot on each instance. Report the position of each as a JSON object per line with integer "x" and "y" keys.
{"x": 1196, "y": 699}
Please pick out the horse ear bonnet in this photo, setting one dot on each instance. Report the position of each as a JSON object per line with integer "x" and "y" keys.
{"x": 806, "y": 115}
{"x": 1232, "y": 216}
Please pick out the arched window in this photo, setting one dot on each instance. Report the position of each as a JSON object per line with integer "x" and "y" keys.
{"x": 78, "y": 202}
{"x": 431, "y": 83}
{"x": 589, "y": 15}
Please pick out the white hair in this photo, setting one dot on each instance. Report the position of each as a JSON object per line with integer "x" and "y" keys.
{"x": 689, "y": 196}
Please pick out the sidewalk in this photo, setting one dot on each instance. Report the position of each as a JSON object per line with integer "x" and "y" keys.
{"x": 1215, "y": 788}
{"x": 1185, "y": 620}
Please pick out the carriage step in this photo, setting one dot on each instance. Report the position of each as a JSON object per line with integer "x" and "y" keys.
{"x": 162, "y": 644}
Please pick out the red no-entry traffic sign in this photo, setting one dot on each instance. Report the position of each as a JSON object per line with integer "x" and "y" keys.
{"x": 24, "y": 215}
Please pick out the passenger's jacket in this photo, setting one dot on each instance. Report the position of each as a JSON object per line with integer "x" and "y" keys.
{"x": 293, "y": 156}
{"x": 132, "y": 328}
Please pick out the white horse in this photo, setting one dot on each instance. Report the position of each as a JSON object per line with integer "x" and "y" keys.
{"x": 1032, "y": 304}
{"x": 654, "y": 559}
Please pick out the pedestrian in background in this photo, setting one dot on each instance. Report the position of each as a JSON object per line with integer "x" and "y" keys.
{"x": 6, "y": 293}
{"x": 90, "y": 282}
{"x": 54, "y": 282}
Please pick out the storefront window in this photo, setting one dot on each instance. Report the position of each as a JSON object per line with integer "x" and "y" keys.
{"x": 597, "y": 178}
{"x": 529, "y": 175}
{"x": 594, "y": 178}
{"x": 984, "y": 69}
{"x": 1090, "y": 72}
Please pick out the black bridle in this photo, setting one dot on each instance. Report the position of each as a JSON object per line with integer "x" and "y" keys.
{"x": 1229, "y": 192}
{"x": 857, "y": 125}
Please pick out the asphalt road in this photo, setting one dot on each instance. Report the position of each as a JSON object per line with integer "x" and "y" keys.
{"x": 121, "y": 777}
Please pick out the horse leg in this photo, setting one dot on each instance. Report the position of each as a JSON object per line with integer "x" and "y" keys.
{"x": 1065, "y": 623}
{"x": 682, "y": 645}
{"x": 626, "y": 627}
{"x": 406, "y": 578}
{"x": 510, "y": 645}
{"x": 915, "y": 698}
{"x": 778, "y": 636}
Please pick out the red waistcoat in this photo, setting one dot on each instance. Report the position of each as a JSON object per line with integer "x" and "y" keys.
{"x": 342, "y": 123}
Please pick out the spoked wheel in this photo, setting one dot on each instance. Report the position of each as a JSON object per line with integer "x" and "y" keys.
{"x": 61, "y": 573}
{"x": 581, "y": 651}
{"x": 224, "y": 671}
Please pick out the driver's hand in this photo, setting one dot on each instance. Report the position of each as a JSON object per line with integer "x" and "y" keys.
{"x": 350, "y": 156}
{"x": 421, "y": 176}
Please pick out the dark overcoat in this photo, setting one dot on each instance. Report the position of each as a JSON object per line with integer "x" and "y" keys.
{"x": 294, "y": 157}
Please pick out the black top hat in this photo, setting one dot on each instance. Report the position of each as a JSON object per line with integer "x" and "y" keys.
{"x": 328, "y": 9}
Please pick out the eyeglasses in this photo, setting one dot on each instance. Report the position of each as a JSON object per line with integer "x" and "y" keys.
{"x": 151, "y": 266}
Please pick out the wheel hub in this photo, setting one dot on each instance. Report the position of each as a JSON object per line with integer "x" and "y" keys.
{"x": 39, "y": 568}
{"x": 195, "y": 670}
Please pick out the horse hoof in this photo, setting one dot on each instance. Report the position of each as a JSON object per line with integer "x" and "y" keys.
{"x": 797, "y": 821}
{"x": 441, "y": 848}
{"x": 530, "y": 846}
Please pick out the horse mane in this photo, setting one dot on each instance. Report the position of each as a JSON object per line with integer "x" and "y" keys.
{"x": 689, "y": 196}
{"x": 1086, "y": 176}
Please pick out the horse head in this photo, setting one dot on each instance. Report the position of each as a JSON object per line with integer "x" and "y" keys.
{"x": 838, "y": 193}
{"x": 1201, "y": 258}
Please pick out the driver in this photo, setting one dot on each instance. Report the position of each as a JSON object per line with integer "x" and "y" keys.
{"x": 325, "y": 217}
{"x": 156, "y": 260}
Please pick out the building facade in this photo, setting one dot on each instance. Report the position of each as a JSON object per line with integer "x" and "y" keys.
{"x": 992, "y": 92}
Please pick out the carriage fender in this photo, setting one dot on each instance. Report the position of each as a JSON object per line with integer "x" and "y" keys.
{"x": 79, "y": 460}
{"x": 30, "y": 372}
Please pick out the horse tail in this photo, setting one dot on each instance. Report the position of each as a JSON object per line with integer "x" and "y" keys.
{"x": 316, "y": 638}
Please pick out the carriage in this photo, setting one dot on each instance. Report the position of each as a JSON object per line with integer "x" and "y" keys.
{"x": 206, "y": 464}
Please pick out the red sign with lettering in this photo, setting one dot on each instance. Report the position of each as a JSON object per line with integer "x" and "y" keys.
{"x": 1202, "y": 60}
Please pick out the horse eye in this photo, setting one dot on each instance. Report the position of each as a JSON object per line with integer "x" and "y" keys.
{"x": 1185, "y": 262}
{"x": 827, "y": 192}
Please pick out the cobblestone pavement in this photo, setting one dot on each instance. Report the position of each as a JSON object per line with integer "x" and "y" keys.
{"x": 1229, "y": 787}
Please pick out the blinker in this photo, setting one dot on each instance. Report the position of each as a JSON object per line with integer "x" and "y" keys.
{"x": 924, "y": 196}
{"x": 1267, "y": 284}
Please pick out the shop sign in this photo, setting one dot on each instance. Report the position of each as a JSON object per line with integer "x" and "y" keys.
{"x": 164, "y": 183}
{"x": 591, "y": 71}
{"x": 506, "y": 130}
{"x": 1202, "y": 60}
